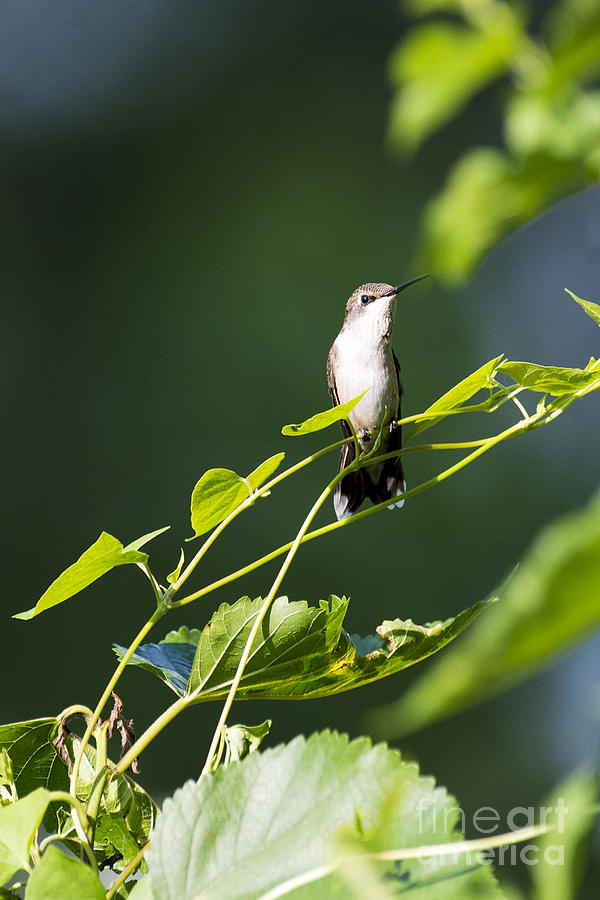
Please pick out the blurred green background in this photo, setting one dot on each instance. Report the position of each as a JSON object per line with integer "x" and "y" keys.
{"x": 191, "y": 191}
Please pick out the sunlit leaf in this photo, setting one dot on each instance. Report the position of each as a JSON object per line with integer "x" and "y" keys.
{"x": 302, "y": 651}
{"x": 174, "y": 575}
{"x": 551, "y": 602}
{"x": 218, "y": 493}
{"x": 562, "y": 125}
{"x": 18, "y": 825}
{"x": 323, "y": 419}
{"x": 486, "y": 194}
{"x": 59, "y": 876}
{"x": 146, "y": 538}
{"x": 592, "y": 309}
{"x": 439, "y": 66}
{"x": 304, "y": 795}
{"x": 240, "y": 740}
{"x": 142, "y": 890}
{"x": 105, "y": 554}
{"x": 314, "y": 789}
{"x": 549, "y": 379}
{"x": 265, "y": 470}
{"x": 482, "y": 379}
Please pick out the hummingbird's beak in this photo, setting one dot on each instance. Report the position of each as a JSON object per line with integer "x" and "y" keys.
{"x": 405, "y": 284}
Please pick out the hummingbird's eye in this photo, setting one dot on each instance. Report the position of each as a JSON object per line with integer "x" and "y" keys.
{"x": 365, "y": 298}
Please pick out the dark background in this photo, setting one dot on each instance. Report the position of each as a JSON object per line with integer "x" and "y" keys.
{"x": 190, "y": 192}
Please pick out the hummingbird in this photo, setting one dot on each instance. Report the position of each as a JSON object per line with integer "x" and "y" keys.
{"x": 362, "y": 359}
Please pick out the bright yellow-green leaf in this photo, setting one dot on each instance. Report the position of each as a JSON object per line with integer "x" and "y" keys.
{"x": 323, "y": 419}
{"x": 106, "y": 553}
{"x": 555, "y": 380}
{"x": 265, "y": 470}
{"x": 174, "y": 575}
{"x": 481, "y": 379}
{"x": 439, "y": 66}
{"x": 18, "y": 824}
{"x": 592, "y": 309}
{"x": 218, "y": 493}
{"x": 59, "y": 876}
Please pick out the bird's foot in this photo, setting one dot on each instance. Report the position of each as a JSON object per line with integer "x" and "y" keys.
{"x": 393, "y": 426}
{"x": 364, "y": 435}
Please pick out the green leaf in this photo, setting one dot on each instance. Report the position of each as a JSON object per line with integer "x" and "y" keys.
{"x": 18, "y": 825}
{"x": 174, "y": 575}
{"x": 215, "y": 496}
{"x": 58, "y": 876}
{"x": 549, "y": 379}
{"x": 479, "y": 380}
{"x": 106, "y": 553}
{"x": 563, "y": 124}
{"x": 574, "y": 809}
{"x": 265, "y": 470}
{"x": 323, "y": 419}
{"x": 486, "y": 194}
{"x": 552, "y": 601}
{"x": 126, "y": 817}
{"x": 285, "y": 809}
{"x": 171, "y": 660}
{"x": 241, "y": 740}
{"x": 142, "y": 890}
{"x": 439, "y": 66}
{"x": 144, "y": 539}
{"x": 592, "y": 309}
{"x": 302, "y": 651}
{"x": 35, "y": 762}
{"x": 8, "y": 791}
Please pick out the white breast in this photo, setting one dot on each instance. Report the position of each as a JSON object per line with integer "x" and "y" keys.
{"x": 362, "y": 364}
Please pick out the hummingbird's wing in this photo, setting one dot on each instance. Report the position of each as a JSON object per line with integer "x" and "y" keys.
{"x": 391, "y": 481}
{"x": 350, "y": 491}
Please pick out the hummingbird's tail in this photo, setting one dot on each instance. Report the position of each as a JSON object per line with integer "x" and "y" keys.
{"x": 351, "y": 490}
{"x": 380, "y": 482}
{"x": 390, "y": 481}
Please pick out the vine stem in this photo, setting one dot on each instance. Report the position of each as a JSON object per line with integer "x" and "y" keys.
{"x": 164, "y": 601}
{"x": 131, "y": 867}
{"x": 265, "y": 488}
{"x": 332, "y": 526}
{"x": 481, "y": 446}
{"x": 93, "y": 719}
{"x": 150, "y": 733}
{"x": 432, "y": 850}
{"x": 262, "y": 613}
{"x": 164, "y": 605}
{"x": 80, "y": 821}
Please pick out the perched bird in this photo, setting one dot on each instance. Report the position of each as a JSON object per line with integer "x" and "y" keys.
{"x": 362, "y": 358}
